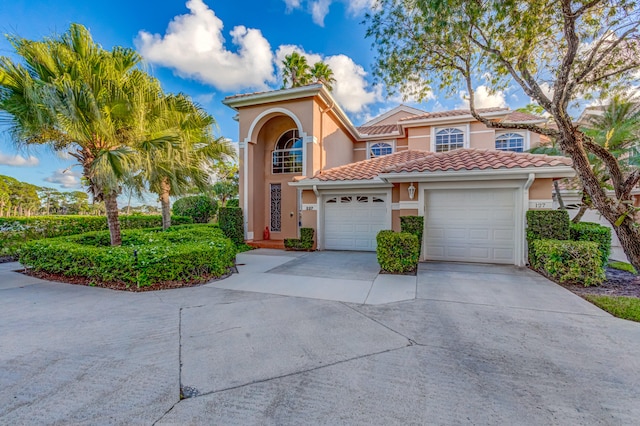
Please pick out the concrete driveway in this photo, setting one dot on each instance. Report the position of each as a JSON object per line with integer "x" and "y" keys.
{"x": 477, "y": 344}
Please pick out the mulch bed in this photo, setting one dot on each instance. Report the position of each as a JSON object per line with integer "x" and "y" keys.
{"x": 618, "y": 283}
{"x": 120, "y": 285}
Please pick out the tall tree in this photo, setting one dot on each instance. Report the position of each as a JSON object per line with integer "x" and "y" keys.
{"x": 5, "y": 197}
{"x": 556, "y": 51}
{"x": 295, "y": 71}
{"x": 322, "y": 73}
{"x": 77, "y": 97}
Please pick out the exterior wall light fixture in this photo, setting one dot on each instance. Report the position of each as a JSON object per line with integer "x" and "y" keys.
{"x": 412, "y": 191}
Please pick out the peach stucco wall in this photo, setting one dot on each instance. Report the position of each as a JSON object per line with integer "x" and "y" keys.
{"x": 541, "y": 189}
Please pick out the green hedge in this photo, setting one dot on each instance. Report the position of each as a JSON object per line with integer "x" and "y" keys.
{"x": 198, "y": 207}
{"x": 547, "y": 225}
{"x": 234, "y": 202}
{"x": 146, "y": 257}
{"x": 305, "y": 242}
{"x": 397, "y": 252}
{"x": 232, "y": 224}
{"x": 568, "y": 261}
{"x": 15, "y": 231}
{"x": 589, "y": 231}
{"x": 413, "y": 225}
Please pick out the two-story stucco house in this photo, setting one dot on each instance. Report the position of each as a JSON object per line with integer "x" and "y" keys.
{"x": 304, "y": 164}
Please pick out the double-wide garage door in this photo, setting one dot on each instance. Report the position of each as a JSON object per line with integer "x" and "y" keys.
{"x": 351, "y": 222}
{"x": 471, "y": 225}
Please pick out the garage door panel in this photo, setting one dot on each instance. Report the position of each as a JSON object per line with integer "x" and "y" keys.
{"x": 353, "y": 222}
{"x": 470, "y": 225}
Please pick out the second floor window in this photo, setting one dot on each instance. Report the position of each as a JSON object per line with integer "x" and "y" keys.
{"x": 449, "y": 139}
{"x": 379, "y": 149}
{"x": 510, "y": 142}
{"x": 287, "y": 155}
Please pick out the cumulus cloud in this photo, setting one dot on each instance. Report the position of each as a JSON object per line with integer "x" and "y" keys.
{"x": 194, "y": 46}
{"x": 18, "y": 160}
{"x": 65, "y": 178}
{"x": 351, "y": 89}
{"x": 484, "y": 98}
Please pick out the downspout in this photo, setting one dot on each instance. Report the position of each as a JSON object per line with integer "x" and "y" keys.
{"x": 319, "y": 231}
{"x": 525, "y": 207}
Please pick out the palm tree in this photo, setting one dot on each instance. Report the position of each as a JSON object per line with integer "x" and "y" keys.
{"x": 77, "y": 97}
{"x": 172, "y": 169}
{"x": 321, "y": 73}
{"x": 295, "y": 72}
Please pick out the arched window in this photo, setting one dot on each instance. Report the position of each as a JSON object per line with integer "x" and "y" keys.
{"x": 379, "y": 149}
{"x": 510, "y": 142}
{"x": 287, "y": 155}
{"x": 449, "y": 139}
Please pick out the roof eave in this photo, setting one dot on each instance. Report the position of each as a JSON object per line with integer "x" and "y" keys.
{"x": 328, "y": 184}
{"x": 504, "y": 173}
{"x": 273, "y": 96}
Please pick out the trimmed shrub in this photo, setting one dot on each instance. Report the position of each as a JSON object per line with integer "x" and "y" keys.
{"x": 589, "y": 231}
{"x": 234, "y": 202}
{"x": 305, "y": 242}
{"x": 397, "y": 252}
{"x": 568, "y": 261}
{"x": 232, "y": 224}
{"x": 146, "y": 257}
{"x": 547, "y": 225}
{"x": 413, "y": 225}
{"x": 15, "y": 231}
{"x": 198, "y": 207}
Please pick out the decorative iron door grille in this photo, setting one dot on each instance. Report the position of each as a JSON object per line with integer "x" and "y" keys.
{"x": 276, "y": 198}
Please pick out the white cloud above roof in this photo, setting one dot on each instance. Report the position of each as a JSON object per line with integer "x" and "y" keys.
{"x": 194, "y": 46}
{"x": 18, "y": 160}
{"x": 483, "y": 98}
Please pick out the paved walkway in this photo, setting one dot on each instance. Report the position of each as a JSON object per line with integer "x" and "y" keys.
{"x": 476, "y": 344}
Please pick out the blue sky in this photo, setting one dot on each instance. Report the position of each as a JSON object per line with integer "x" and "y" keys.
{"x": 210, "y": 49}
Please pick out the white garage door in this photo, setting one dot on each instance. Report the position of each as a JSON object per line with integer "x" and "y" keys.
{"x": 471, "y": 225}
{"x": 351, "y": 222}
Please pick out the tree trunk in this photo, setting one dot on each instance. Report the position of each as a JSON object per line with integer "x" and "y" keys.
{"x": 612, "y": 209}
{"x": 583, "y": 209}
{"x": 558, "y": 195}
{"x": 111, "y": 205}
{"x": 165, "y": 202}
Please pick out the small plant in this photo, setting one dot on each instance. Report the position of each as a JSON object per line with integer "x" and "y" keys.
{"x": 232, "y": 224}
{"x": 568, "y": 261}
{"x": 397, "y": 252}
{"x": 588, "y": 231}
{"x": 199, "y": 207}
{"x": 305, "y": 242}
{"x": 548, "y": 225}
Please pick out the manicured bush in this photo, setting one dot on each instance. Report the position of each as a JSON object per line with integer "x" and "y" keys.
{"x": 413, "y": 225}
{"x": 589, "y": 231}
{"x": 568, "y": 261}
{"x": 232, "y": 224}
{"x": 198, "y": 207}
{"x": 305, "y": 242}
{"x": 15, "y": 231}
{"x": 234, "y": 202}
{"x": 397, "y": 252}
{"x": 547, "y": 225}
{"x": 181, "y": 253}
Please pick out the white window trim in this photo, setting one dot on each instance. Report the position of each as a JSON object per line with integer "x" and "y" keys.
{"x": 526, "y": 135}
{"x": 465, "y": 134}
{"x": 370, "y": 143}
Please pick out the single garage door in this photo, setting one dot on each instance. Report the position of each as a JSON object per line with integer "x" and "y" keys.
{"x": 475, "y": 225}
{"x": 351, "y": 222}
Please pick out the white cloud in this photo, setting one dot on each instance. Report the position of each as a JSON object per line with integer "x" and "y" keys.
{"x": 194, "y": 46}
{"x": 65, "y": 178}
{"x": 18, "y": 160}
{"x": 483, "y": 98}
{"x": 292, "y": 4}
{"x": 351, "y": 89}
{"x": 319, "y": 9}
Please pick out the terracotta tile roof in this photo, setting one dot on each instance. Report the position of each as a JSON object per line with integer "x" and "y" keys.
{"x": 521, "y": 117}
{"x": 476, "y": 159}
{"x": 423, "y": 161}
{"x": 369, "y": 169}
{"x": 244, "y": 95}
{"x": 381, "y": 129}
{"x": 452, "y": 113}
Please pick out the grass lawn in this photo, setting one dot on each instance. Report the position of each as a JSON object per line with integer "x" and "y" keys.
{"x": 619, "y": 306}
{"x": 623, "y": 266}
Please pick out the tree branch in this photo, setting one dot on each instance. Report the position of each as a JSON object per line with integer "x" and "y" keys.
{"x": 610, "y": 163}
{"x": 630, "y": 183}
